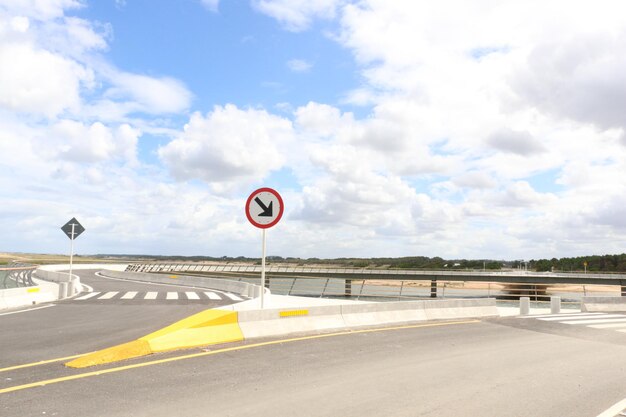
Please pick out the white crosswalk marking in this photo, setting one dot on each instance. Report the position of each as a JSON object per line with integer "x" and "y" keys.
{"x": 212, "y": 295}
{"x": 129, "y": 295}
{"x": 154, "y": 295}
{"x": 581, "y": 317}
{"x": 560, "y": 315}
{"x": 233, "y": 297}
{"x": 597, "y": 321}
{"x": 608, "y": 326}
{"x": 88, "y": 296}
{"x": 601, "y": 321}
{"x": 108, "y": 295}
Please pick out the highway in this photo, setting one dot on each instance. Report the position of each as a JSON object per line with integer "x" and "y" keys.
{"x": 496, "y": 367}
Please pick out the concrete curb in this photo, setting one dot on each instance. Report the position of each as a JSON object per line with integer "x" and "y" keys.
{"x": 212, "y": 327}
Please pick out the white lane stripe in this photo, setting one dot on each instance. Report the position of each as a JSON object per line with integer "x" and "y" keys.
{"x": 129, "y": 295}
{"x": 108, "y": 295}
{"x": 172, "y": 296}
{"x": 27, "y": 310}
{"x": 87, "y": 296}
{"x": 565, "y": 315}
{"x": 192, "y": 295}
{"x": 151, "y": 295}
{"x": 607, "y": 326}
{"x": 233, "y": 297}
{"x": 611, "y": 412}
{"x": 212, "y": 295}
{"x": 622, "y": 320}
{"x": 582, "y": 317}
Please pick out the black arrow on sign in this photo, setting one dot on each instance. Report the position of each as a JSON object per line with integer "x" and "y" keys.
{"x": 267, "y": 210}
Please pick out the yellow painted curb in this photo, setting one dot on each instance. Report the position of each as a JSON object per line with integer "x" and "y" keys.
{"x": 208, "y": 327}
{"x": 128, "y": 350}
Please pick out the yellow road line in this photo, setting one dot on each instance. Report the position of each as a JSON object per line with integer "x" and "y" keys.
{"x": 44, "y": 362}
{"x": 224, "y": 350}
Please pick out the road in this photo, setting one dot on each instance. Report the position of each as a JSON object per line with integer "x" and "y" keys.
{"x": 77, "y": 326}
{"x": 497, "y": 367}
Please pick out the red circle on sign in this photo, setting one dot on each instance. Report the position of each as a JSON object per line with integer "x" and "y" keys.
{"x": 280, "y": 210}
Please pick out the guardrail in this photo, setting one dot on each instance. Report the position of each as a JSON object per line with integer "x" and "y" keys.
{"x": 394, "y": 287}
{"x": 16, "y": 275}
{"x": 514, "y": 276}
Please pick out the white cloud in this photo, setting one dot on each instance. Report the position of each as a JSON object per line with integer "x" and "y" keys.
{"x": 299, "y": 65}
{"x": 229, "y": 147}
{"x": 520, "y": 143}
{"x": 149, "y": 94}
{"x": 40, "y": 9}
{"x": 297, "y": 15}
{"x": 39, "y": 82}
{"x": 81, "y": 143}
{"x": 212, "y": 5}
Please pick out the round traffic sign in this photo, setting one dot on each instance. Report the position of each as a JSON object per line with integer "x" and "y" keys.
{"x": 264, "y": 208}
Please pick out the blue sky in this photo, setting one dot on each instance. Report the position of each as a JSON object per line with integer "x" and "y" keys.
{"x": 401, "y": 128}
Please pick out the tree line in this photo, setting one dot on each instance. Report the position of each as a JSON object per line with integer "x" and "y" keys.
{"x": 595, "y": 263}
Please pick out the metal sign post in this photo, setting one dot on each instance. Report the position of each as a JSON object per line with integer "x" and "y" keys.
{"x": 264, "y": 209}
{"x": 72, "y": 229}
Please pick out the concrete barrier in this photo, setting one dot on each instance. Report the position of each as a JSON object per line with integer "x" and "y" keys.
{"x": 355, "y": 315}
{"x": 280, "y": 322}
{"x": 600, "y": 304}
{"x": 68, "y": 286}
{"x": 235, "y": 287}
{"x": 221, "y": 326}
{"x": 460, "y": 308}
{"x": 26, "y": 296}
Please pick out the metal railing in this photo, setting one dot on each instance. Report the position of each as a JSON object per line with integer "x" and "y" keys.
{"x": 16, "y": 275}
{"x": 410, "y": 289}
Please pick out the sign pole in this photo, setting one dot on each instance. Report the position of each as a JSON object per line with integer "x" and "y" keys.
{"x": 263, "y": 270}
{"x": 264, "y": 208}
{"x": 72, "y": 250}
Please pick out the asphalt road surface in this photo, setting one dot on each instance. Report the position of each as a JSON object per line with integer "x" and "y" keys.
{"x": 76, "y": 326}
{"x": 499, "y": 367}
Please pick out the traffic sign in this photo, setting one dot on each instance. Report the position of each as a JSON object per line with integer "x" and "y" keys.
{"x": 264, "y": 208}
{"x": 73, "y": 228}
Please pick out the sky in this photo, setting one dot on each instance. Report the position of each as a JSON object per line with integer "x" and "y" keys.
{"x": 483, "y": 129}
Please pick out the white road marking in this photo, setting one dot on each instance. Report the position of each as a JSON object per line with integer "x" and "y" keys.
{"x": 611, "y": 412}
{"x": 172, "y": 296}
{"x": 27, "y": 310}
{"x": 87, "y": 296}
{"x": 192, "y": 295}
{"x": 608, "y": 326}
{"x": 108, "y": 295}
{"x": 233, "y": 297}
{"x": 599, "y": 321}
{"x": 151, "y": 295}
{"x": 562, "y": 319}
{"x": 563, "y": 315}
{"x": 129, "y": 295}
{"x": 212, "y": 295}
